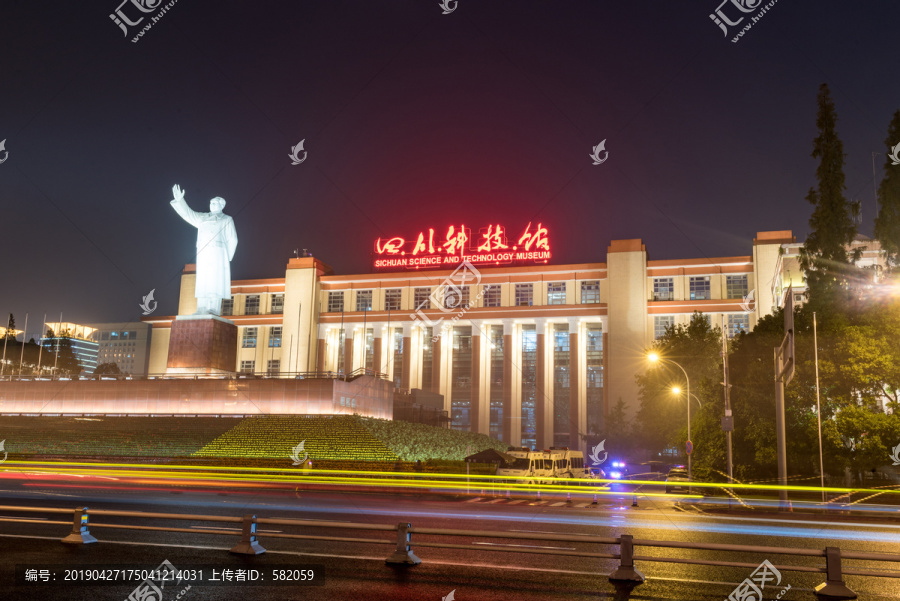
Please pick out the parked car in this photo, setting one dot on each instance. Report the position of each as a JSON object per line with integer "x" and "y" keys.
{"x": 677, "y": 481}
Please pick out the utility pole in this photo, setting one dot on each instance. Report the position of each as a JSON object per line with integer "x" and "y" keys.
{"x": 784, "y": 373}
{"x": 728, "y": 420}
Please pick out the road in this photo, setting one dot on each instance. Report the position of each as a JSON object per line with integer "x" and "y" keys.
{"x": 352, "y": 570}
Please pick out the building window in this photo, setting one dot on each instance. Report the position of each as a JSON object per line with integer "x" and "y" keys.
{"x": 252, "y": 305}
{"x": 273, "y": 367}
{"x": 556, "y": 293}
{"x": 427, "y": 356}
{"x": 561, "y": 356}
{"x": 228, "y": 306}
{"x": 594, "y": 377}
{"x": 496, "y": 376}
{"x": 456, "y": 297}
{"x": 422, "y": 298}
{"x": 590, "y": 292}
{"x": 249, "y": 339}
{"x": 530, "y": 401}
{"x": 461, "y": 383}
{"x": 661, "y": 323}
{"x": 737, "y": 323}
{"x": 736, "y": 286}
{"x": 336, "y": 302}
{"x": 491, "y": 296}
{"x": 248, "y": 367}
{"x": 275, "y": 337}
{"x": 699, "y": 286}
{"x": 663, "y": 289}
{"x": 277, "y": 303}
{"x": 392, "y": 299}
{"x": 363, "y": 300}
{"x": 524, "y": 295}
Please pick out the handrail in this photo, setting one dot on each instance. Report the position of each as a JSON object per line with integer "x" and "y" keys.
{"x": 625, "y": 575}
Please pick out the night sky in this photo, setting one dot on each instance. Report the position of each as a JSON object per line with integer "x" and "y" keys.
{"x": 413, "y": 119}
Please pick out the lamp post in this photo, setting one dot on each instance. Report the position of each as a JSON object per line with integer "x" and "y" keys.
{"x": 677, "y": 391}
{"x": 655, "y": 358}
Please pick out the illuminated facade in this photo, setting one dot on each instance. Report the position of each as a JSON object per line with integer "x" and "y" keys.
{"x": 530, "y": 352}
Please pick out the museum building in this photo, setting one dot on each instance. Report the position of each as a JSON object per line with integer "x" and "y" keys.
{"x": 521, "y": 349}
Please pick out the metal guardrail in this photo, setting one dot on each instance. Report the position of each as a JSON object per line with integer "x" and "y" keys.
{"x": 625, "y": 575}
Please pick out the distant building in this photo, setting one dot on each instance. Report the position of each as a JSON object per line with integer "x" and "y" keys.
{"x": 80, "y": 339}
{"x": 789, "y": 273}
{"x": 127, "y": 344}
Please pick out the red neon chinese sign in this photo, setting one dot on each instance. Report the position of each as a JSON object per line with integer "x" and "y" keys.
{"x": 436, "y": 249}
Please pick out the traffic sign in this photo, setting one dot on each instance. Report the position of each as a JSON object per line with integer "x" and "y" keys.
{"x": 689, "y": 447}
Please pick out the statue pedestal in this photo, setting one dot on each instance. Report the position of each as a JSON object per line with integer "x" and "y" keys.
{"x": 202, "y": 345}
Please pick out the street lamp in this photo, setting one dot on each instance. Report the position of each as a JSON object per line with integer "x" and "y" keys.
{"x": 655, "y": 358}
{"x": 677, "y": 392}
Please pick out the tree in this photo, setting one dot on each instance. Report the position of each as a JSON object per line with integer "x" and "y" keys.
{"x": 824, "y": 255}
{"x": 107, "y": 369}
{"x": 887, "y": 223}
{"x": 662, "y": 418}
{"x": 10, "y": 328}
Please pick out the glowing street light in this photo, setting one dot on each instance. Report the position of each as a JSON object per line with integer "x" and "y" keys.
{"x": 654, "y": 357}
{"x": 676, "y": 390}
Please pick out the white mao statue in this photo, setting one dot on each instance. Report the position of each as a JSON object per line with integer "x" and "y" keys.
{"x": 216, "y": 242}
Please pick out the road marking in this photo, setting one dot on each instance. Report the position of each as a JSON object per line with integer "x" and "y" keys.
{"x": 560, "y": 504}
{"x": 497, "y": 501}
{"x": 475, "y": 500}
{"x": 550, "y": 532}
{"x": 538, "y": 503}
{"x": 516, "y": 502}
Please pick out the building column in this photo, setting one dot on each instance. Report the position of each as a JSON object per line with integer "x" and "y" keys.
{"x": 377, "y": 330}
{"x": 476, "y": 400}
{"x": 348, "y": 348}
{"x": 543, "y": 404}
{"x": 575, "y": 413}
{"x": 320, "y": 349}
{"x": 436, "y": 362}
{"x": 508, "y": 417}
{"x": 407, "y": 355}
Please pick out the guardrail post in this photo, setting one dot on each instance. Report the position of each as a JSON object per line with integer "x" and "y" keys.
{"x": 626, "y": 574}
{"x": 248, "y": 545}
{"x": 80, "y": 534}
{"x": 403, "y": 556}
{"x": 833, "y": 589}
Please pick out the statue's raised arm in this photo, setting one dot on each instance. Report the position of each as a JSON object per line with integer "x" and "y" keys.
{"x": 181, "y": 207}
